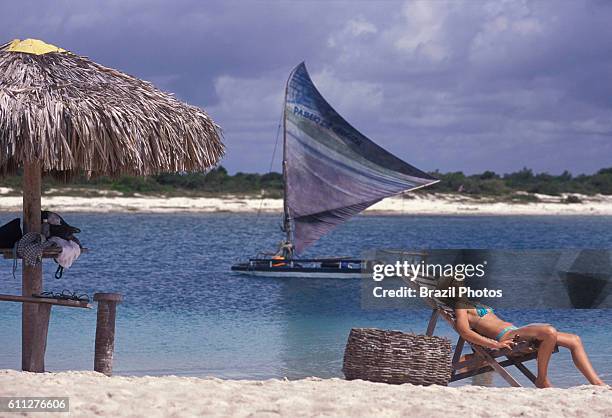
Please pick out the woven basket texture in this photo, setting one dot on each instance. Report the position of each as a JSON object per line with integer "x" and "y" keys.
{"x": 397, "y": 357}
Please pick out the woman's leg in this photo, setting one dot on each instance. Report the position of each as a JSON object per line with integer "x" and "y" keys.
{"x": 579, "y": 355}
{"x": 547, "y": 336}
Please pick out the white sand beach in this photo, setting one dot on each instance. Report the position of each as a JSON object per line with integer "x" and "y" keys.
{"x": 93, "y": 394}
{"x": 412, "y": 204}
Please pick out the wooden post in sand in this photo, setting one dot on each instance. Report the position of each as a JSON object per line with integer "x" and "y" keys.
{"x": 34, "y": 317}
{"x": 105, "y": 331}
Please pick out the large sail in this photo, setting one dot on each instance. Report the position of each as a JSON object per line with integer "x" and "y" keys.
{"x": 332, "y": 171}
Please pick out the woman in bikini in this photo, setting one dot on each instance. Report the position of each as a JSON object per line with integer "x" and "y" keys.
{"x": 478, "y": 324}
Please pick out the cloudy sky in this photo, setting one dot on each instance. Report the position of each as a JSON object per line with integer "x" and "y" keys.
{"x": 469, "y": 86}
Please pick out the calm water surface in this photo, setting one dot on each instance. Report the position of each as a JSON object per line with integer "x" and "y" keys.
{"x": 185, "y": 313}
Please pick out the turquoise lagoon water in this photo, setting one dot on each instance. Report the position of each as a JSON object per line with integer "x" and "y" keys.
{"x": 186, "y": 314}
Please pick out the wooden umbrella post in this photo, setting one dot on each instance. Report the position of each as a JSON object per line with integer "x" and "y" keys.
{"x": 35, "y": 317}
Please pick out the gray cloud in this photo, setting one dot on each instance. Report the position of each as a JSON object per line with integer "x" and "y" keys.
{"x": 455, "y": 85}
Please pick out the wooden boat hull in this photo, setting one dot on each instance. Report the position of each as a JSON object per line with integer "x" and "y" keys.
{"x": 305, "y": 268}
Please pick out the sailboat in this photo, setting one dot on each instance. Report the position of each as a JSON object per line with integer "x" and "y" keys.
{"x": 331, "y": 173}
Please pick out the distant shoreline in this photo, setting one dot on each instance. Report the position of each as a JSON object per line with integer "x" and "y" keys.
{"x": 414, "y": 204}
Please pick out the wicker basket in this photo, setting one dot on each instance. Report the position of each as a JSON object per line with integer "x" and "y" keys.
{"x": 396, "y": 357}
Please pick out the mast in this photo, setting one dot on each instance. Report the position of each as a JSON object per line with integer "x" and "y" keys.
{"x": 286, "y": 219}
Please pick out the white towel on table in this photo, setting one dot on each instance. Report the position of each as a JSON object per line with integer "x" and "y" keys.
{"x": 70, "y": 251}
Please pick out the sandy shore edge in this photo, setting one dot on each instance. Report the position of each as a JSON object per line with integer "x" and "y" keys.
{"x": 92, "y": 394}
{"x": 417, "y": 204}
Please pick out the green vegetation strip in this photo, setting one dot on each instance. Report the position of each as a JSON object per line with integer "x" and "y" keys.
{"x": 218, "y": 182}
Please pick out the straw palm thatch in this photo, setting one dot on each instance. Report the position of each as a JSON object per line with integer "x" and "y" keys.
{"x": 72, "y": 115}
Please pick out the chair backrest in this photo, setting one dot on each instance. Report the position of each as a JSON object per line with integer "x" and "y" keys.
{"x": 420, "y": 281}
{"x": 431, "y": 283}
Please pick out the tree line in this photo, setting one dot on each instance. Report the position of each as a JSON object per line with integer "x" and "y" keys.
{"x": 525, "y": 180}
{"x": 219, "y": 181}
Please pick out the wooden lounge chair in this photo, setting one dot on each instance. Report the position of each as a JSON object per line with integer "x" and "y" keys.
{"x": 482, "y": 359}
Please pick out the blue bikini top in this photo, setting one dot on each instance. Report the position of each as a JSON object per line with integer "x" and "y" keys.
{"x": 482, "y": 310}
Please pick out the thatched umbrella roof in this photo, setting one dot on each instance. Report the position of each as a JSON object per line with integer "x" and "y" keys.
{"x": 72, "y": 115}
{"x": 65, "y": 114}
